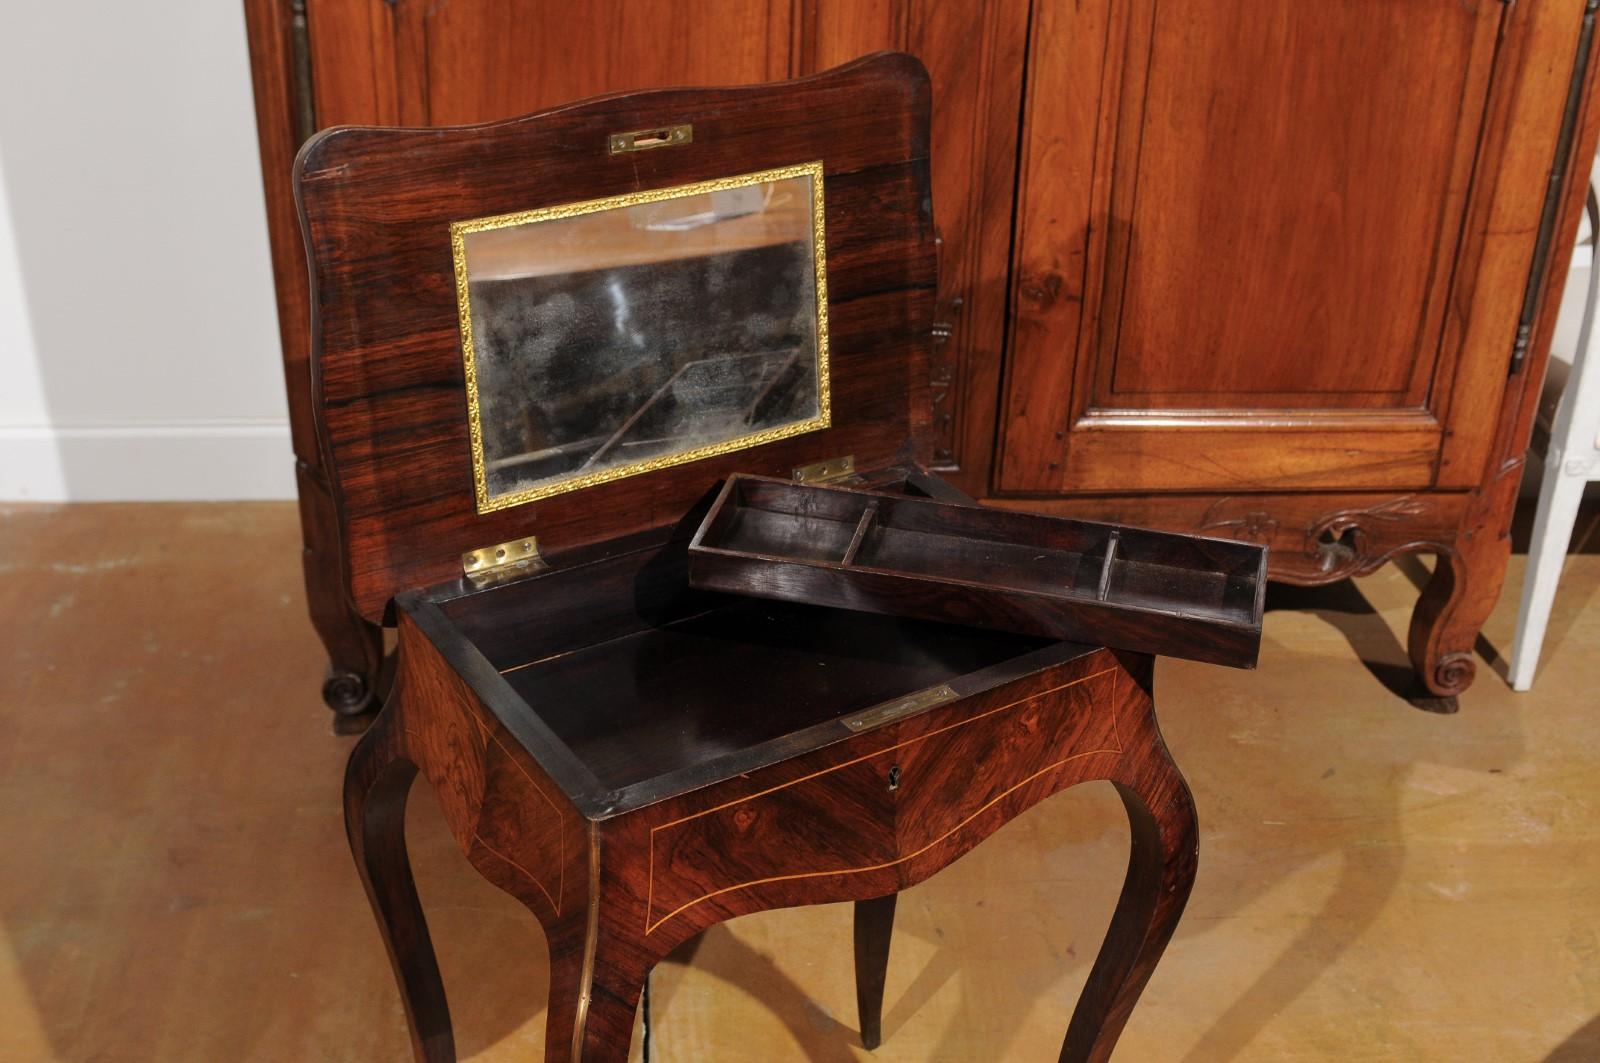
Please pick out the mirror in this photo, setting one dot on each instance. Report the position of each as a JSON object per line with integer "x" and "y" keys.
{"x": 618, "y": 336}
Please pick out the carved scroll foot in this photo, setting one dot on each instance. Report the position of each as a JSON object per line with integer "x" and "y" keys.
{"x": 345, "y": 692}
{"x": 874, "y": 925}
{"x": 376, "y": 784}
{"x": 1161, "y": 871}
{"x": 355, "y": 679}
{"x": 1451, "y": 612}
{"x": 1463, "y": 589}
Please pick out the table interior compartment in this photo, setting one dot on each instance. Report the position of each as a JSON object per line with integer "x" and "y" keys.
{"x": 642, "y": 676}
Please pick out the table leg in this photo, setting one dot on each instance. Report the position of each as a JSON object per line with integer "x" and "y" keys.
{"x": 376, "y": 784}
{"x": 1161, "y": 869}
{"x": 874, "y": 924}
{"x": 594, "y": 996}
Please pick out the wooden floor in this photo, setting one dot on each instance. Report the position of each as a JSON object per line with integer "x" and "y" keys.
{"x": 1376, "y": 883}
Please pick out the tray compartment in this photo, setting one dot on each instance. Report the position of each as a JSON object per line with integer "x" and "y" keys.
{"x": 1200, "y": 577}
{"x": 766, "y": 520}
{"x": 1014, "y": 552}
{"x": 1131, "y": 588}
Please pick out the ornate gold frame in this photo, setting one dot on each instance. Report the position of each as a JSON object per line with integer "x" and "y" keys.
{"x": 458, "y": 233}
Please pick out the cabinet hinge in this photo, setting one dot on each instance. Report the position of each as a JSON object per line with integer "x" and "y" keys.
{"x": 1559, "y": 171}
{"x": 302, "y": 95}
{"x": 503, "y": 561}
{"x": 831, "y": 471}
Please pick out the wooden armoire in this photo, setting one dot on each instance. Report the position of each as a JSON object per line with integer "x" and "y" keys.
{"x": 1266, "y": 269}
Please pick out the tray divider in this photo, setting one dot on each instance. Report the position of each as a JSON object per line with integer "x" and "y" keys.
{"x": 869, "y": 516}
{"x": 1105, "y": 568}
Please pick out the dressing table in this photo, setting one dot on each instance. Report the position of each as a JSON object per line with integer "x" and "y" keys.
{"x": 542, "y": 349}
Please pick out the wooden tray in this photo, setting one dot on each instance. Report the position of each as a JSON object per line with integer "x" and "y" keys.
{"x": 1129, "y": 588}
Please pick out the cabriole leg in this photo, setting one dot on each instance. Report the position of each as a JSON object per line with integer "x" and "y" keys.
{"x": 1464, "y": 588}
{"x": 1456, "y": 601}
{"x": 592, "y": 1006}
{"x": 377, "y": 782}
{"x": 1161, "y": 870}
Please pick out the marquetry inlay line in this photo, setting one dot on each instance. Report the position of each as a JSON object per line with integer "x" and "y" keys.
{"x": 561, "y": 831}
{"x": 561, "y": 823}
{"x": 1116, "y": 747}
{"x": 491, "y": 850}
{"x": 880, "y": 752}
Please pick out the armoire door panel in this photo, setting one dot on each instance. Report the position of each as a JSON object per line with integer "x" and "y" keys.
{"x": 1294, "y": 191}
{"x": 1247, "y": 213}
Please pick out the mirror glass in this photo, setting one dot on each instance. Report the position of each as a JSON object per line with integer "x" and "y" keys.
{"x": 618, "y": 336}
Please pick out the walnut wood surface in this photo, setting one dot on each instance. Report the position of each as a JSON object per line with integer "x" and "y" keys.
{"x": 355, "y": 647}
{"x": 1222, "y": 313}
{"x": 1110, "y": 266}
{"x": 389, "y": 385}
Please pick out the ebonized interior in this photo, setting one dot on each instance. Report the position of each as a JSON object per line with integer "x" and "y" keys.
{"x": 644, "y": 678}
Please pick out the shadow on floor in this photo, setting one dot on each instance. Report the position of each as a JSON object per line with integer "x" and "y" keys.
{"x": 1344, "y": 607}
{"x": 1582, "y": 1047}
{"x": 825, "y": 1039}
{"x": 1371, "y": 866}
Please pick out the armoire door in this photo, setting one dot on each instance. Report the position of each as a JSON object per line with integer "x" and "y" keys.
{"x": 1245, "y": 237}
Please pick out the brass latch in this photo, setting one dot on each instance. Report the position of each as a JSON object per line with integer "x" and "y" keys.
{"x": 826, "y": 472}
{"x": 492, "y": 564}
{"x": 644, "y": 139}
{"x": 894, "y": 710}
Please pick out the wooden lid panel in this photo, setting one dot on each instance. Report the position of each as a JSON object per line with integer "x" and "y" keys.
{"x": 376, "y": 208}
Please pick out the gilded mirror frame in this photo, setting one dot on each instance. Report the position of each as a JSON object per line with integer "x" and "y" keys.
{"x": 459, "y": 230}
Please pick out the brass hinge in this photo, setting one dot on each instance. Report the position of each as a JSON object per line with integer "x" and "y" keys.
{"x": 503, "y": 561}
{"x": 831, "y": 471}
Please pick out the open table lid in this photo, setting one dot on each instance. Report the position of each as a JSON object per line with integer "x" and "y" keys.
{"x": 417, "y": 239}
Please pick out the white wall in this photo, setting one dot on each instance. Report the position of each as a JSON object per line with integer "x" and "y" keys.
{"x": 138, "y": 337}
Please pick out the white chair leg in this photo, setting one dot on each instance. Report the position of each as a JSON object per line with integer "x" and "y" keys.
{"x": 1559, "y": 496}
